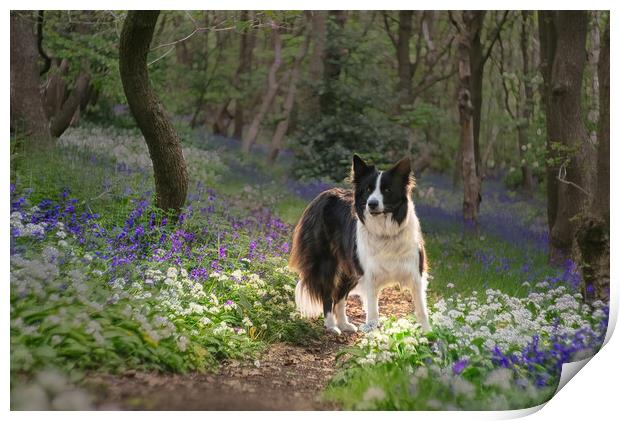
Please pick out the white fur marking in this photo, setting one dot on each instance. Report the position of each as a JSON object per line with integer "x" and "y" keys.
{"x": 305, "y": 304}
{"x": 377, "y": 195}
{"x": 341, "y": 317}
{"x": 330, "y": 323}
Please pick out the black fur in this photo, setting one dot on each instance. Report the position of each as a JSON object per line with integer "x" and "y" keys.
{"x": 324, "y": 247}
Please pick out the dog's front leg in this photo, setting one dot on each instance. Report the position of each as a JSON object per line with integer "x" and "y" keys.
{"x": 372, "y": 306}
{"x": 419, "y": 301}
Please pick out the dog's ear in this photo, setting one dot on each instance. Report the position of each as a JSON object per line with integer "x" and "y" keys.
{"x": 402, "y": 169}
{"x": 359, "y": 169}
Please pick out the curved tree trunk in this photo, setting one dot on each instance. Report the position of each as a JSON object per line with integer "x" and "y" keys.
{"x": 161, "y": 138}
{"x": 27, "y": 114}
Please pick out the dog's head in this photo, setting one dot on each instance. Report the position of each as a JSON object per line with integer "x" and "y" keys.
{"x": 379, "y": 194}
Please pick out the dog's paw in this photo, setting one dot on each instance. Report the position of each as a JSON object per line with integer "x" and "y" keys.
{"x": 347, "y": 327}
{"x": 369, "y": 326}
{"x": 333, "y": 330}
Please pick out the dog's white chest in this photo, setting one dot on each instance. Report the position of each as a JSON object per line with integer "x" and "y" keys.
{"x": 392, "y": 258}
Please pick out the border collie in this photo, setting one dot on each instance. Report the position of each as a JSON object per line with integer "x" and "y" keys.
{"x": 359, "y": 242}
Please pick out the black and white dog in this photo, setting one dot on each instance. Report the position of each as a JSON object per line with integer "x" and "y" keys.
{"x": 359, "y": 242}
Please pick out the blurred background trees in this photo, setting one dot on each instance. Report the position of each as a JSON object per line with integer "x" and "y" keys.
{"x": 521, "y": 96}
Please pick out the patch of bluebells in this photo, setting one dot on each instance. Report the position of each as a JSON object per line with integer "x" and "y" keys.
{"x": 144, "y": 235}
{"x": 544, "y": 363}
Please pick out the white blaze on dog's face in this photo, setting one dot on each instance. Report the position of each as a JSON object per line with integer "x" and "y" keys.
{"x": 374, "y": 204}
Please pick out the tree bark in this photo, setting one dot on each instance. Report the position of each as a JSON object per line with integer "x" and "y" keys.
{"x": 593, "y": 60}
{"x": 245, "y": 66}
{"x": 162, "y": 140}
{"x": 61, "y": 120}
{"x": 282, "y": 127}
{"x": 566, "y": 132}
{"x": 27, "y": 114}
{"x": 593, "y": 236}
{"x": 333, "y": 59}
{"x": 477, "y": 73}
{"x": 479, "y": 54}
{"x": 318, "y": 36}
{"x": 56, "y": 91}
{"x": 270, "y": 93}
{"x": 405, "y": 68}
{"x": 467, "y": 27}
{"x": 527, "y": 108}
{"x": 601, "y": 198}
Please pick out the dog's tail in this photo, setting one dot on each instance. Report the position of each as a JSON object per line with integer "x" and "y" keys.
{"x": 307, "y": 305}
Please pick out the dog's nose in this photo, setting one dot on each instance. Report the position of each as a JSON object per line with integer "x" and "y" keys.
{"x": 373, "y": 204}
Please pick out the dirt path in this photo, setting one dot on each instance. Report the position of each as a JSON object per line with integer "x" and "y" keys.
{"x": 287, "y": 377}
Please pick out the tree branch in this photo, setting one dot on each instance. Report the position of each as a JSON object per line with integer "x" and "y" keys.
{"x": 388, "y": 30}
{"x": 495, "y": 36}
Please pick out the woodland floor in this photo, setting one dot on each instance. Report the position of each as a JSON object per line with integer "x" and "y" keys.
{"x": 288, "y": 378}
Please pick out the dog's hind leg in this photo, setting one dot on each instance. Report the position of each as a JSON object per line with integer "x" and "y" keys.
{"x": 331, "y": 323}
{"x": 345, "y": 284}
{"x": 419, "y": 301}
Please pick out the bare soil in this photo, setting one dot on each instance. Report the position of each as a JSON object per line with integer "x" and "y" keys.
{"x": 285, "y": 377}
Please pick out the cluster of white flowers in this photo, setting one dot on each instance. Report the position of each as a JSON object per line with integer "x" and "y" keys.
{"x": 391, "y": 339}
{"x": 28, "y": 229}
{"x": 502, "y": 320}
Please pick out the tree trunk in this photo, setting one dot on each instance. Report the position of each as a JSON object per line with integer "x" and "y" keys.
{"x": 593, "y": 236}
{"x": 62, "y": 119}
{"x": 477, "y": 72}
{"x": 56, "y": 90}
{"x": 27, "y": 114}
{"x": 527, "y": 107}
{"x": 318, "y": 36}
{"x": 593, "y": 59}
{"x": 405, "y": 70}
{"x": 270, "y": 93}
{"x": 162, "y": 140}
{"x": 282, "y": 127}
{"x": 467, "y": 27}
{"x": 223, "y": 117}
{"x": 243, "y": 71}
{"x": 566, "y": 132}
{"x": 548, "y": 46}
{"x": 333, "y": 58}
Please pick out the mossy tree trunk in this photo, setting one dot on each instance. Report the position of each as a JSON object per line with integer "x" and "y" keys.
{"x": 162, "y": 140}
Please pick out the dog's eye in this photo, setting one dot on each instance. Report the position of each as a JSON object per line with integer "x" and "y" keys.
{"x": 369, "y": 188}
{"x": 387, "y": 189}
